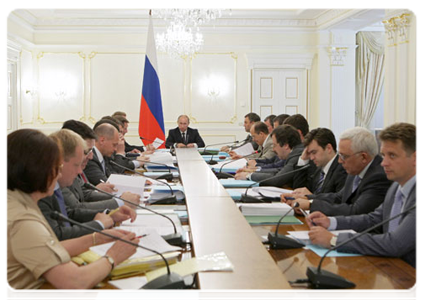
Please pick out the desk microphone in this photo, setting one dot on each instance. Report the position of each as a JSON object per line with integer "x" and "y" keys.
{"x": 168, "y": 281}
{"x": 165, "y": 200}
{"x": 321, "y": 279}
{"x": 281, "y": 241}
{"x": 213, "y": 162}
{"x": 173, "y": 239}
{"x": 251, "y": 199}
{"x": 224, "y": 175}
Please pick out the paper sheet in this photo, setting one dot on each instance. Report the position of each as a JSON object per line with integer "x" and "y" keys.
{"x": 152, "y": 241}
{"x": 212, "y": 262}
{"x": 302, "y": 235}
{"x": 245, "y": 149}
{"x": 126, "y": 183}
{"x": 132, "y": 283}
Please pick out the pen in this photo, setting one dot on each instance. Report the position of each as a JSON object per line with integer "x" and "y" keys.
{"x": 289, "y": 198}
{"x": 141, "y": 236}
{"x": 306, "y": 215}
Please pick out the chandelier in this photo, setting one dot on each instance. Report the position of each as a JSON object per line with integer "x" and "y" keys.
{"x": 179, "y": 39}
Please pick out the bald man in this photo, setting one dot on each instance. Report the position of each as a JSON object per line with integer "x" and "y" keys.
{"x": 97, "y": 169}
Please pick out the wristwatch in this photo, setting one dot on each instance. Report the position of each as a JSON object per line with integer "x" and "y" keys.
{"x": 111, "y": 261}
{"x": 333, "y": 241}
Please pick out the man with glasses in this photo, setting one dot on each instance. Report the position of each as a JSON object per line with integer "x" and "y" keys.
{"x": 366, "y": 184}
{"x": 77, "y": 195}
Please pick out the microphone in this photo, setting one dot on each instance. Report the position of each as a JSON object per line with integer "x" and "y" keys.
{"x": 173, "y": 239}
{"x": 164, "y": 176}
{"x": 243, "y": 142}
{"x": 224, "y": 175}
{"x": 251, "y": 199}
{"x": 281, "y": 241}
{"x": 327, "y": 280}
{"x": 168, "y": 281}
{"x": 211, "y": 153}
{"x": 165, "y": 200}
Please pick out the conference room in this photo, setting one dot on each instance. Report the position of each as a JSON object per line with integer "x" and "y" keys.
{"x": 175, "y": 74}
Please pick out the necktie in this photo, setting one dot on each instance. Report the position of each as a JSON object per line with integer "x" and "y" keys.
{"x": 184, "y": 140}
{"x": 396, "y": 209}
{"x": 103, "y": 164}
{"x": 61, "y": 202}
{"x": 320, "y": 183}
{"x": 356, "y": 183}
{"x": 83, "y": 177}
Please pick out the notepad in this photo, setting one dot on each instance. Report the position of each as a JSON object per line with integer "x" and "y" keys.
{"x": 266, "y": 209}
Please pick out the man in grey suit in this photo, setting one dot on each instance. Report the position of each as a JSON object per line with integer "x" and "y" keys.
{"x": 398, "y": 238}
{"x": 366, "y": 183}
{"x": 77, "y": 195}
{"x": 287, "y": 145}
{"x": 260, "y": 133}
{"x": 73, "y": 152}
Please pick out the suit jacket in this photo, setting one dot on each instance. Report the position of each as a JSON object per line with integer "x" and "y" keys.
{"x": 192, "y": 136}
{"x": 120, "y": 160}
{"x": 369, "y": 194}
{"x": 75, "y": 197}
{"x": 266, "y": 151}
{"x": 94, "y": 170}
{"x": 281, "y": 181}
{"x": 334, "y": 180}
{"x": 272, "y": 165}
{"x": 398, "y": 243}
{"x": 49, "y": 204}
{"x": 129, "y": 148}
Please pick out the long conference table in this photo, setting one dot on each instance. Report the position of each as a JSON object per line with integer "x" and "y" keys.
{"x": 217, "y": 225}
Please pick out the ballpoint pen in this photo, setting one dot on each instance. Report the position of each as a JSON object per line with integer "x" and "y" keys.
{"x": 306, "y": 215}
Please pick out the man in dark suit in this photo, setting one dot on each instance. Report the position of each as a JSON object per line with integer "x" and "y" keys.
{"x": 73, "y": 151}
{"x": 184, "y": 136}
{"x": 287, "y": 145}
{"x": 329, "y": 177}
{"x": 398, "y": 236}
{"x": 98, "y": 168}
{"x": 366, "y": 183}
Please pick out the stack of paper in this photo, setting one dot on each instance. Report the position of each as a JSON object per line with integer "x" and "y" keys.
{"x": 232, "y": 183}
{"x": 265, "y": 209}
{"x": 125, "y": 183}
{"x": 270, "y": 191}
{"x": 302, "y": 236}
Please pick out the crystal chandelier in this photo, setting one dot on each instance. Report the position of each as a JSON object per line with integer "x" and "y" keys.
{"x": 178, "y": 40}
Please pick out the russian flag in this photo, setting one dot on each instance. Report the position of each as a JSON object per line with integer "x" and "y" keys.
{"x": 151, "y": 124}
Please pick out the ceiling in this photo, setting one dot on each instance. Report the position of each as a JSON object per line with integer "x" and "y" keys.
{"x": 239, "y": 19}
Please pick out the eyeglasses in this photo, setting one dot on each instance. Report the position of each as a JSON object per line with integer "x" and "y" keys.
{"x": 88, "y": 151}
{"x": 344, "y": 157}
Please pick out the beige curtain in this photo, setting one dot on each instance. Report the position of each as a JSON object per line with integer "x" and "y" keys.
{"x": 370, "y": 73}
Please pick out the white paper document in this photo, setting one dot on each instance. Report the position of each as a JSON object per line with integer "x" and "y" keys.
{"x": 302, "y": 236}
{"x": 131, "y": 283}
{"x": 126, "y": 183}
{"x": 270, "y": 191}
{"x": 152, "y": 241}
{"x": 245, "y": 149}
{"x": 234, "y": 164}
{"x": 265, "y": 209}
{"x": 161, "y": 158}
{"x": 151, "y": 222}
{"x": 157, "y": 143}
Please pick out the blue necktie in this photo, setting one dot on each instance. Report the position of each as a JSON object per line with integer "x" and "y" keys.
{"x": 320, "y": 182}
{"x": 61, "y": 201}
{"x": 103, "y": 164}
{"x": 356, "y": 183}
{"x": 396, "y": 209}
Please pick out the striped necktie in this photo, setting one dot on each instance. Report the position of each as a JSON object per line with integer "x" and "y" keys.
{"x": 61, "y": 202}
{"x": 319, "y": 184}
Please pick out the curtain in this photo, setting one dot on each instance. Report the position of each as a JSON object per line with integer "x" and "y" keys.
{"x": 370, "y": 73}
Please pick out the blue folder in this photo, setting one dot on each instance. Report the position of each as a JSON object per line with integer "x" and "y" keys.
{"x": 232, "y": 183}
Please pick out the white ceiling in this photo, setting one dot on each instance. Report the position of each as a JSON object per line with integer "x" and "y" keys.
{"x": 265, "y": 19}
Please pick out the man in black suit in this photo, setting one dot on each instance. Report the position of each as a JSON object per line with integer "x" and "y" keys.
{"x": 73, "y": 151}
{"x": 330, "y": 175}
{"x": 398, "y": 237}
{"x": 366, "y": 183}
{"x": 184, "y": 136}
{"x": 98, "y": 168}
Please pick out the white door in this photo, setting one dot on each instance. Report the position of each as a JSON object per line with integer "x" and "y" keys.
{"x": 279, "y": 91}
